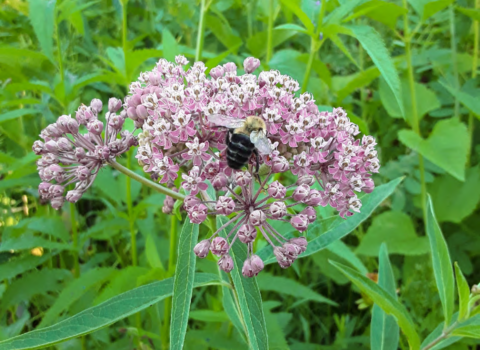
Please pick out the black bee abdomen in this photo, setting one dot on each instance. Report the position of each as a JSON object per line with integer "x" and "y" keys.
{"x": 239, "y": 150}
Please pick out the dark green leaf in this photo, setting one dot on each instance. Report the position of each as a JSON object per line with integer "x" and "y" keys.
{"x": 42, "y": 17}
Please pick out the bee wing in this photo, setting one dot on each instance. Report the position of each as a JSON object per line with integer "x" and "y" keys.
{"x": 223, "y": 120}
{"x": 260, "y": 140}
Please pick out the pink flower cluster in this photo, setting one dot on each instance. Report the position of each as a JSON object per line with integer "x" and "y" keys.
{"x": 172, "y": 106}
{"x": 72, "y": 157}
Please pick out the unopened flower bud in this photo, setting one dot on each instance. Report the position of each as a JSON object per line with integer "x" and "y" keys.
{"x": 300, "y": 242}
{"x": 80, "y": 153}
{"x": 247, "y": 233}
{"x": 300, "y": 222}
{"x": 219, "y": 181}
{"x": 73, "y": 196}
{"x": 277, "y": 190}
{"x": 250, "y": 64}
{"x": 95, "y": 127}
{"x": 181, "y": 60}
{"x": 243, "y": 178}
{"x": 280, "y": 165}
{"x": 189, "y": 202}
{"x": 198, "y": 214}
{"x": 230, "y": 67}
{"x": 475, "y": 289}
{"x": 83, "y": 173}
{"x": 202, "y": 248}
{"x": 51, "y": 146}
{"x": 247, "y": 269}
{"x": 141, "y": 112}
{"x": 64, "y": 144}
{"x": 132, "y": 113}
{"x": 116, "y": 121}
{"x": 219, "y": 246}
{"x": 314, "y": 198}
{"x": 308, "y": 180}
{"x": 96, "y": 105}
{"x": 56, "y": 190}
{"x": 310, "y": 213}
{"x": 278, "y": 210}
{"x": 114, "y": 104}
{"x": 57, "y": 202}
{"x": 301, "y": 192}
{"x": 283, "y": 259}
{"x": 38, "y": 147}
{"x": 217, "y": 72}
{"x": 252, "y": 266}
{"x": 54, "y": 130}
{"x": 225, "y": 205}
{"x": 72, "y": 126}
{"x": 226, "y": 263}
{"x": 257, "y": 217}
{"x": 43, "y": 188}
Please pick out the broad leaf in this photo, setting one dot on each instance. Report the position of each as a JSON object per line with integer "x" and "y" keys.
{"x": 248, "y": 295}
{"x": 433, "y": 7}
{"x": 381, "y": 11}
{"x": 442, "y": 265}
{"x": 183, "y": 285}
{"x": 446, "y": 147}
{"x": 102, "y": 315}
{"x": 370, "y": 203}
{"x": 397, "y": 231}
{"x": 463, "y": 292}
{"x": 373, "y": 43}
{"x": 293, "y": 6}
{"x": 17, "y": 114}
{"x": 472, "y": 13}
{"x": 42, "y": 17}
{"x": 385, "y": 301}
{"x": 169, "y": 45}
{"x": 465, "y": 98}
{"x": 384, "y": 332}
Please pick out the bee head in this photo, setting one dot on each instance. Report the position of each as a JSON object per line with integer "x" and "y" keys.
{"x": 254, "y": 123}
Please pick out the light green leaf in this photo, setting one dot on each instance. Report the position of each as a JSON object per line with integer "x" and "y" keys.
{"x": 370, "y": 203}
{"x": 342, "y": 250}
{"x": 22, "y": 264}
{"x": 446, "y": 147}
{"x": 152, "y": 253}
{"x": 73, "y": 291}
{"x": 183, "y": 284}
{"x": 42, "y": 17}
{"x": 102, "y": 315}
{"x": 294, "y": 6}
{"x": 373, "y": 43}
{"x": 433, "y": 7}
{"x": 276, "y": 336}
{"x": 472, "y": 13}
{"x": 208, "y": 316}
{"x": 169, "y": 45}
{"x": 381, "y": 11}
{"x": 287, "y": 286}
{"x": 339, "y": 13}
{"x": 396, "y": 230}
{"x": 468, "y": 100}
{"x": 248, "y": 294}
{"x": 17, "y": 114}
{"x": 385, "y": 301}
{"x": 230, "y": 307}
{"x": 463, "y": 293}
{"x": 442, "y": 265}
{"x": 224, "y": 33}
{"x": 454, "y": 200}
{"x": 256, "y": 43}
{"x": 292, "y": 26}
{"x": 28, "y": 241}
{"x": 384, "y": 332}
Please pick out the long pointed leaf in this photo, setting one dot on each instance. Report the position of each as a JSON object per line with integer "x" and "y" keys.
{"x": 183, "y": 285}
{"x": 463, "y": 292}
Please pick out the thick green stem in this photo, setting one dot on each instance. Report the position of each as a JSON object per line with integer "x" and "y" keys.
{"x": 270, "y": 31}
{"x": 453, "y": 46}
{"x": 146, "y": 182}
{"x": 415, "y": 122}
{"x": 171, "y": 270}
{"x": 201, "y": 30}
{"x": 76, "y": 265}
{"x": 471, "y": 124}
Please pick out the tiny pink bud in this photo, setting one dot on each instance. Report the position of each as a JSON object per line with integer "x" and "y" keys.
{"x": 219, "y": 181}
{"x": 219, "y": 246}
{"x": 83, "y": 173}
{"x": 54, "y": 130}
{"x": 300, "y": 222}
{"x": 225, "y": 205}
{"x": 57, "y": 202}
{"x": 72, "y": 126}
{"x": 116, "y": 121}
{"x": 43, "y": 188}
{"x": 300, "y": 242}
{"x": 230, "y": 67}
{"x": 217, "y": 72}
{"x": 257, "y": 264}
{"x": 283, "y": 259}
{"x": 251, "y": 64}
{"x": 80, "y": 153}
{"x": 189, "y": 202}
{"x": 134, "y": 100}
{"x": 310, "y": 213}
{"x": 277, "y": 190}
{"x": 181, "y": 60}
{"x": 64, "y": 144}
{"x": 95, "y": 127}
{"x": 96, "y": 105}
{"x": 247, "y": 233}
{"x": 306, "y": 180}
{"x": 73, "y": 196}
{"x": 314, "y": 198}
{"x": 247, "y": 269}
{"x": 243, "y": 178}
{"x": 56, "y": 190}
{"x": 198, "y": 214}
{"x": 291, "y": 250}
{"x": 201, "y": 249}
{"x": 278, "y": 210}
{"x": 51, "y": 146}
{"x": 257, "y": 217}
{"x": 38, "y": 147}
{"x": 301, "y": 192}
{"x": 226, "y": 263}
{"x": 114, "y": 104}
{"x": 132, "y": 113}
{"x": 141, "y": 112}
{"x": 280, "y": 165}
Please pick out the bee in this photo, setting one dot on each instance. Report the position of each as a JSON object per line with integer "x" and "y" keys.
{"x": 245, "y": 137}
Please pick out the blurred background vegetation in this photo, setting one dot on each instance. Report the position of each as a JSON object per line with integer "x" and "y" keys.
{"x": 55, "y": 56}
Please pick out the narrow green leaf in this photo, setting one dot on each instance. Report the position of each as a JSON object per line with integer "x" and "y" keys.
{"x": 231, "y": 308}
{"x": 339, "y": 13}
{"x": 42, "y": 17}
{"x": 169, "y": 45}
{"x": 442, "y": 265}
{"x": 248, "y": 295}
{"x": 472, "y": 13}
{"x": 292, "y": 26}
{"x": 463, "y": 292}
{"x": 152, "y": 253}
{"x": 30, "y": 242}
{"x": 373, "y": 43}
{"x": 208, "y": 316}
{"x": 385, "y": 301}
{"x": 101, "y": 315}
{"x": 468, "y": 100}
{"x": 302, "y": 16}
{"x": 384, "y": 331}
{"x": 370, "y": 203}
{"x": 470, "y": 331}
{"x": 17, "y": 114}
{"x": 183, "y": 285}
{"x": 22, "y": 264}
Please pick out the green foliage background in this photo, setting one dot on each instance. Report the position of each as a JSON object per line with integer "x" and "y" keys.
{"x": 406, "y": 72}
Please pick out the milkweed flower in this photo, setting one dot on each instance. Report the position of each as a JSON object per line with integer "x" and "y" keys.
{"x": 70, "y": 156}
{"x": 327, "y": 162}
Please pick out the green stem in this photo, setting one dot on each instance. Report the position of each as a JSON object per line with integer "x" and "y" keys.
{"x": 249, "y": 19}
{"x": 76, "y": 271}
{"x": 453, "y": 46}
{"x": 442, "y": 336}
{"x": 201, "y": 30}
{"x": 171, "y": 270}
{"x": 131, "y": 221}
{"x": 415, "y": 120}
{"x": 270, "y": 31}
{"x": 471, "y": 124}
{"x": 124, "y": 26}
{"x": 146, "y": 182}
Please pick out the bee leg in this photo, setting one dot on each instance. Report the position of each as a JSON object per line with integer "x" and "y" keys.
{"x": 257, "y": 165}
